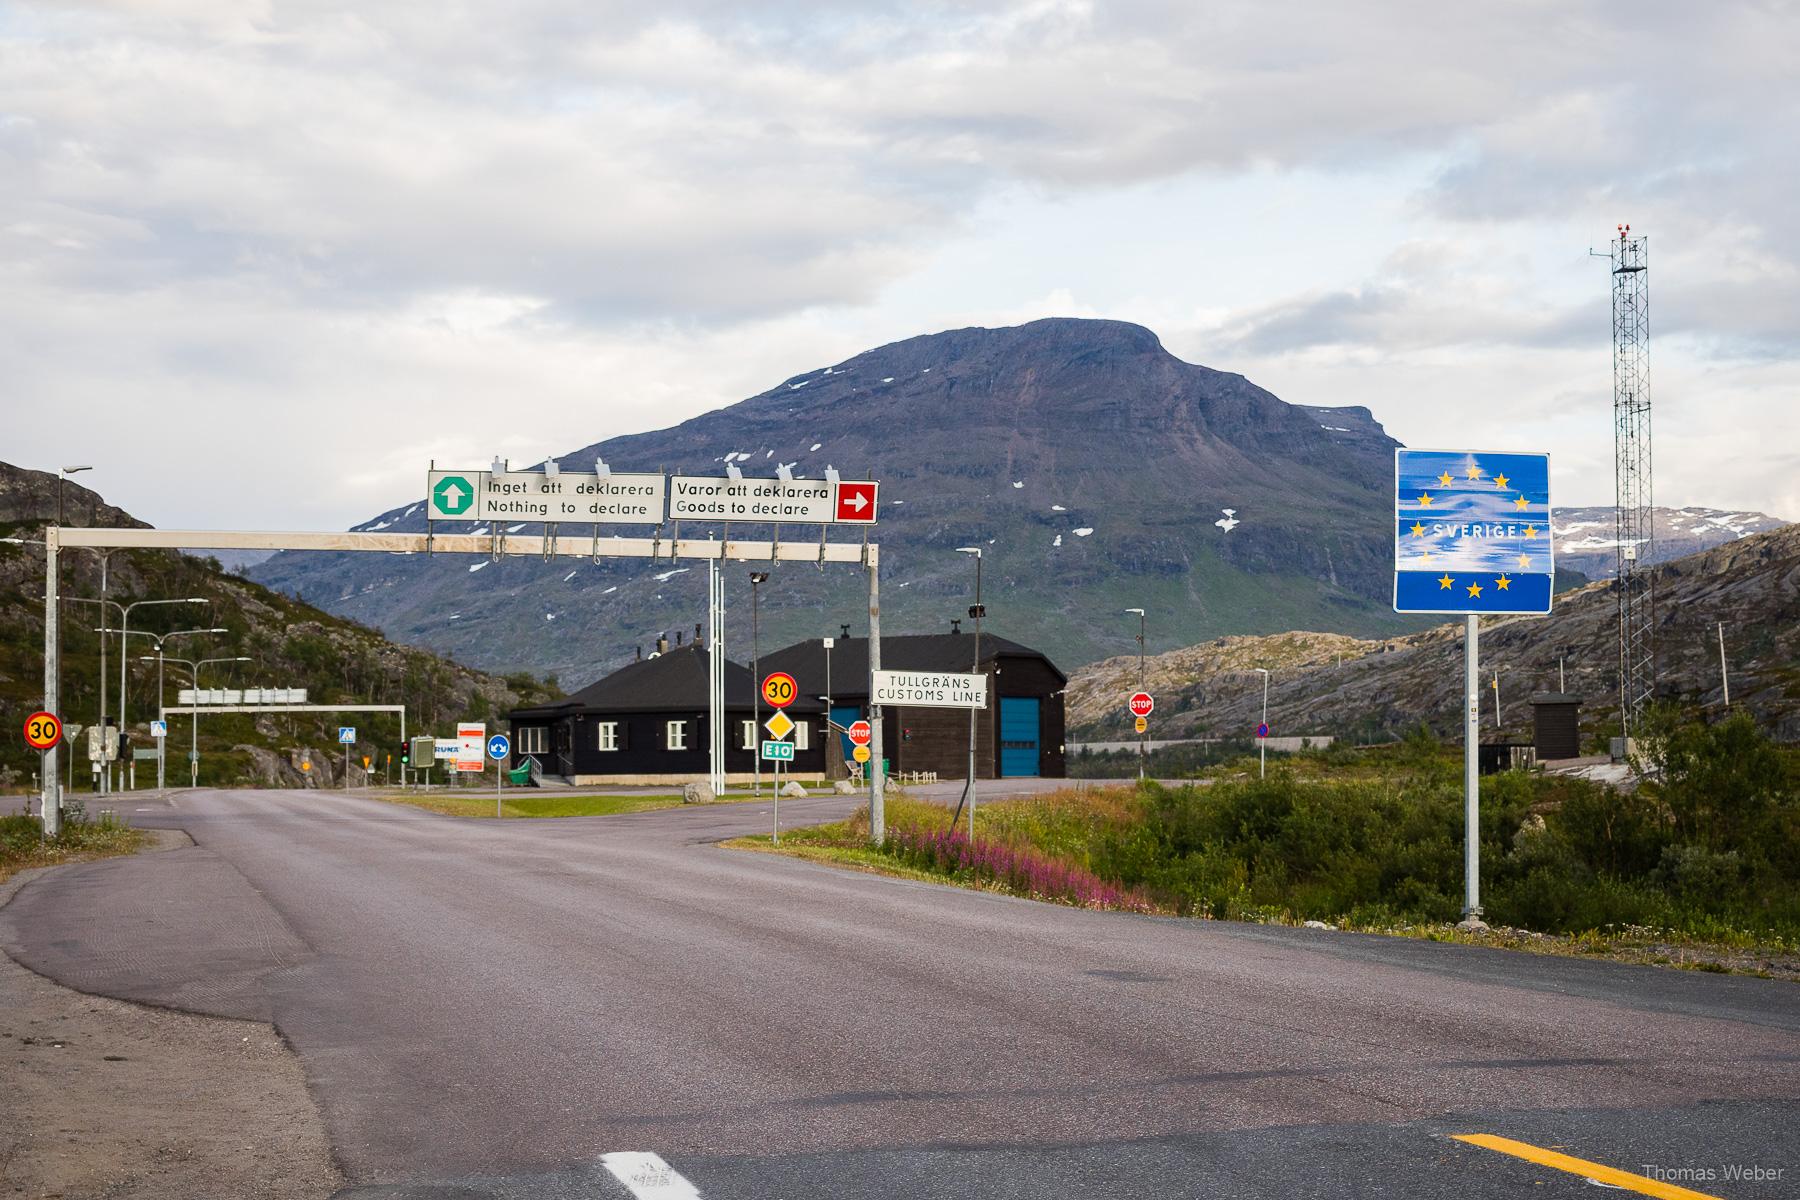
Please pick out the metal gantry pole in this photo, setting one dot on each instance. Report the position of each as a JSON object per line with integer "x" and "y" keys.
{"x": 1471, "y": 770}
{"x": 51, "y": 801}
{"x": 105, "y": 766}
{"x": 877, "y": 776}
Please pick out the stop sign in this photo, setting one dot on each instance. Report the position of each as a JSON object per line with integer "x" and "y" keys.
{"x": 858, "y": 733}
{"x": 1142, "y": 704}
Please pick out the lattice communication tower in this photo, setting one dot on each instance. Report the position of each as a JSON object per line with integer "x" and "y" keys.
{"x": 1635, "y": 529}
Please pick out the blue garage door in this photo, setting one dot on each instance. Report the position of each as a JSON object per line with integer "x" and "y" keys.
{"x": 844, "y": 716}
{"x": 1018, "y": 736}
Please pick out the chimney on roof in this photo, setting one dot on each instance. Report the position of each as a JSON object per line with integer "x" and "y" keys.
{"x": 662, "y": 644}
{"x": 955, "y": 625}
{"x": 846, "y": 630}
{"x": 640, "y": 654}
{"x": 678, "y": 637}
{"x": 698, "y": 639}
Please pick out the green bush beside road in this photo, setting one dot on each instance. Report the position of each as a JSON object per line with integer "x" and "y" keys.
{"x": 23, "y": 844}
{"x": 1706, "y": 846}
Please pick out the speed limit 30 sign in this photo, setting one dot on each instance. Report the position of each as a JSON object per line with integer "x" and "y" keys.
{"x": 779, "y": 689}
{"x": 42, "y": 730}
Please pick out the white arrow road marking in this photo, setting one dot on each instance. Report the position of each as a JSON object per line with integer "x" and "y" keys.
{"x": 648, "y": 1176}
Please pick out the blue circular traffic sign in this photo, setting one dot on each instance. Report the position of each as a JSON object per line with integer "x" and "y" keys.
{"x": 1262, "y": 731}
{"x": 499, "y": 746}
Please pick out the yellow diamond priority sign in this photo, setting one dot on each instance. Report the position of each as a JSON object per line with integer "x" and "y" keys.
{"x": 779, "y": 725}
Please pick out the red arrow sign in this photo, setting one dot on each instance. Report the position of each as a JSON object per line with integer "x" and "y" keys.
{"x": 856, "y": 502}
{"x": 858, "y": 733}
{"x": 1142, "y": 705}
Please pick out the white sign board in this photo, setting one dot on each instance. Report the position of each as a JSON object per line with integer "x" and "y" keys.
{"x": 930, "y": 689}
{"x": 471, "y": 746}
{"x": 445, "y": 749}
{"x": 770, "y": 501}
{"x": 533, "y": 496}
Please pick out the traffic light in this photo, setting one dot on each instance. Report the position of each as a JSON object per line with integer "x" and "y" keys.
{"x": 405, "y": 754}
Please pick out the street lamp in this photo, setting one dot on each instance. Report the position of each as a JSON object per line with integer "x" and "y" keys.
{"x": 1498, "y": 724}
{"x": 757, "y": 579}
{"x": 1262, "y": 743}
{"x": 977, "y": 611}
{"x": 124, "y": 632}
{"x": 62, "y": 477}
{"x": 194, "y": 709}
{"x": 159, "y": 639}
{"x": 1143, "y": 738}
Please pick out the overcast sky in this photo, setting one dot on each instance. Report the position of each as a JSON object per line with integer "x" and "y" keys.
{"x": 259, "y": 262}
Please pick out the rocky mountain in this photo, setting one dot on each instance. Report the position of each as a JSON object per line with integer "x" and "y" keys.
{"x": 1379, "y": 687}
{"x": 290, "y": 644}
{"x": 1586, "y": 540}
{"x": 1098, "y": 471}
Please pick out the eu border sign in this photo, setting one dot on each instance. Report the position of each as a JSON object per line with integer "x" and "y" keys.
{"x": 1472, "y": 532}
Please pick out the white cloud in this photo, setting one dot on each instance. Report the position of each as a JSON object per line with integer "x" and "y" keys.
{"x": 381, "y": 227}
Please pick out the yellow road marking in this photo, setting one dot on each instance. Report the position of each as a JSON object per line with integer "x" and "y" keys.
{"x": 1580, "y": 1166}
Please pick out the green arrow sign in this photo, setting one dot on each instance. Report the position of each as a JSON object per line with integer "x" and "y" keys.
{"x": 453, "y": 496}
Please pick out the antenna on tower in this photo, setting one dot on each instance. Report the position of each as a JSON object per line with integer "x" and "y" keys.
{"x": 1634, "y": 518}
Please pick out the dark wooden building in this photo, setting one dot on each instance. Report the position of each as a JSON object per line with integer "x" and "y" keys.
{"x": 1019, "y": 734}
{"x": 647, "y": 723}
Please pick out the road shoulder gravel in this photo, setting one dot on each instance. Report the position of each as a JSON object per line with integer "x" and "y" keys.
{"x": 105, "y": 1098}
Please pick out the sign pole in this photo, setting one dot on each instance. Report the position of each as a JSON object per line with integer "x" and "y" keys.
{"x": 499, "y": 777}
{"x": 877, "y": 780}
{"x": 1471, "y": 773}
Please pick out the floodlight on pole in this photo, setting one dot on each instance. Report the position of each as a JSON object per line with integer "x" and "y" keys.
{"x": 757, "y": 579}
{"x": 498, "y": 466}
{"x": 976, "y": 611}
{"x": 784, "y": 473}
{"x": 551, "y": 468}
{"x": 733, "y": 471}
{"x": 831, "y": 475}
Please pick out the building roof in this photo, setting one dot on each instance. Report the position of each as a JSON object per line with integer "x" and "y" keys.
{"x": 674, "y": 681}
{"x": 908, "y": 652}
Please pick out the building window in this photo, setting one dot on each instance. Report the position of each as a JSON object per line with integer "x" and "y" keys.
{"x": 802, "y": 735}
{"x": 609, "y": 735}
{"x": 746, "y": 735}
{"x": 675, "y": 736}
{"x": 532, "y": 740}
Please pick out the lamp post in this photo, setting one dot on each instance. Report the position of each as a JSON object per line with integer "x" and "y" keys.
{"x": 162, "y": 742}
{"x": 125, "y": 644}
{"x": 1262, "y": 743}
{"x": 977, "y": 610}
{"x": 1499, "y": 726}
{"x": 1143, "y": 738}
{"x": 757, "y": 579}
{"x": 194, "y": 672}
{"x": 62, "y": 477}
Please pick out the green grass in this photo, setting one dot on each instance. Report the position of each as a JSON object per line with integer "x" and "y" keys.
{"x": 23, "y": 846}
{"x": 1698, "y": 867}
{"x": 476, "y": 804}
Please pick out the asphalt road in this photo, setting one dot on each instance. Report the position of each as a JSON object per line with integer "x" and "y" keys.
{"x": 488, "y": 1009}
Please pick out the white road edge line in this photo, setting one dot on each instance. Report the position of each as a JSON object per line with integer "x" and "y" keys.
{"x": 648, "y": 1176}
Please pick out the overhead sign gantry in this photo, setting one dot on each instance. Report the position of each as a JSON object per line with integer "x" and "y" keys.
{"x": 462, "y": 495}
